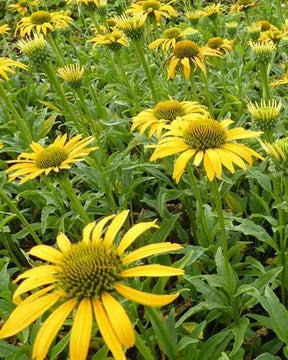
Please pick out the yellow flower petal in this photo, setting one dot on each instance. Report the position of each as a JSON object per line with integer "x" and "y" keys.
{"x": 33, "y": 283}
{"x": 63, "y": 242}
{"x": 115, "y": 226}
{"x": 88, "y": 231}
{"x": 46, "y": 253}
{"x": 97, "y": 231}
{"x": 152, "y": 270}
{"x": 133, "y": 233}
{"x": 81, "y": 331}
{"x": 144, "y": 298}
{"x": 119, "y": 320}
{"x": 50, "y": 329}
{"x": 208, "y": 167}
{"x": 37, "y": 272}
{"x": 181, "y": 163}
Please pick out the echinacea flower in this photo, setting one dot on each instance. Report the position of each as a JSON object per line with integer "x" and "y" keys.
{"x": 42, "y": 22}
{"x": 170, "y": 37}
{"x": 212, "y": 11}
{"x": 263, "y": 51}
{"x": 22, "y": 6}
{"x": 266, "y": 114}
{"x": 163, "y": 114}
{"x": 55, "y": 157}
{"x": 273, "y": 35}
{"x": 206, "y": 140}
{"x": 188, "y": 54}
{"x": 194, "y": 16}
{"x": 220, "y": 44}
{"x": 133, "y": 27}
{"x": 4, "y": 29}
{"x": 72, "y": 74}
{"x": 243, "y": 5}
{"x": 6, "y": 67}
{"x": 114, "y": 40}
{"x": 278, "y": 152}
{"x": 36, "y": 49}
{"x": 153, "y": 8}
{"x": 82, "y": 277}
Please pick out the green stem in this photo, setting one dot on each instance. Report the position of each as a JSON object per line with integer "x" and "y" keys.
{"x": 265, "y": 81}
{"x": 193, "y": 180}
{"x": 54, "y": 81}
{"x": 141, "y": 55}
{"x": 193, "y": 86}
{"x": 10, "y": 247}
{"x": 23, "y": 127}
{"x": 208, "y": 95}
{"x": 18, "y": 213}
{"x": 218, "y": 203}
{"x": 75, "y": 202}
{"x": 58, "y": 52}
{"x": 142, "y": 348}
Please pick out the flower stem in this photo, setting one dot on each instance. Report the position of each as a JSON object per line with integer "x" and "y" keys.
{"x": 193, "y": 180}
{"x": 5, "y": 198}
{"x": 75, "y": 202}
{"x": 23, "y": 127}
{"x": 265, "y": 81}
{"x": 218, "y": 203}
{"x": 208, "y": 95}
{"x": 141, "y": 55}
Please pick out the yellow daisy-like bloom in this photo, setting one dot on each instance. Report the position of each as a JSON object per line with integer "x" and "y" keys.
{"x": 187, "y": 53}
{"x": 6, "y": 67}
{"x": 220, "y": 44}
{"x": 266, "y": 114}
{"x": 243, "y": 5}
{"x": 212, "y": 11}
{"x": 42, "y": 22}
{"x": 265, "y": 25}
{"x": 282, "y": 81}
{"x": 4, "y": 29}
{"x": 153, "y": 8}
{"x": 23, "y": 6}
{"x": 195, "y": 15}
{"x": 206, "y": 140}
{"x": 84, "y": 276}
{"x": 72, "y": 74}
{"x": 170, "y": 37}
{"x": 157, "y": 119}
{"x": 133, "y": 27}
{"x": 274, "y": 35}
{"x": 277, "y": 151}
{"x": 57, "y": 156}
{"x": 114, "y": 40}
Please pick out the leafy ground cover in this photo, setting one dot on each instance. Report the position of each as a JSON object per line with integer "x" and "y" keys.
{"x": 143, "y": 180}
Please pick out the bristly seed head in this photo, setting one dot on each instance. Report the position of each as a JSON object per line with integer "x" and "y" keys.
{"x": 171, "y": 33}
{"x": 40, "y": 17}
{"x": 168, "y": 110}
{"x": 89, "y": 269}
{"x": 202, "y": 134}
{"x": 186, "y": 48}
{"x": 150, "y": 4}
{"x": 52, "y": 156}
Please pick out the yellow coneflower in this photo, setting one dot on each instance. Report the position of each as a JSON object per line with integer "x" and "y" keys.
{"x": 194, "y": 16}
{"x": 231, "y": 27}
{"x": 206, "y": 140}
{"x": 187, "y": 53}
{"x": 263, "y": 51}
{"x": 114, "y": 40}
{"x": 273, "y": 35}
{"x": 220, "y": 44}
{"x": 211, "y": 11}
{"x": 163, "y": 114}
{"x": 55, "y": 157}
{"x": 243, "y": 5}
{"x": 170, "y": 37}
{"x": 254, "y": 31}
{"x": 72, "y": 74}
{"x": 6, "y": 67}
{"x": 265, "y": 25}
{"x": 133, "y": 27}
{"x": 36, "y": 49}
{"x": 266, "y": 114}
{"x": 42, "y": 22}
{"x": 153, "y": 8}
{"x": 278, "y": 152}
{"x": 83, "y": 277}
{"x": 4, "y": 29}
{"x": 23, "y": 6}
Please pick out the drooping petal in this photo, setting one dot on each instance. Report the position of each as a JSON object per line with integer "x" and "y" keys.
{"x": 152, "y": 270}
{"x": 181, "y": 163}
{"x": 46, "y": 253}
{"x": 33, "y": 283}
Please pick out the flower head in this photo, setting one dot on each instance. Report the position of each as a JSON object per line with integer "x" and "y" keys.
{"x": 231, "y": 27}
{"x": 36, "y": 49}
{"x": 114, "y": 40}
{"x": 153, "y": 8}
{"x": 212, "y": 11}
{"x": 4, "y": 29}
{"x": 273, "y": 35}
{"x": 133, "y": 27}
{"x": 55, "y": 157}
{"x": 23, "y": 6}
{"x": 220, "y": 44}
{"x": 6, "y": 67}
{"x": 187, "y": 53}
{"x": 263, "y": 51}
{"x": 84, "y": 276}
{"x": 163, "y": 114}
{"x": 90, "y": 4}
{"x": 170, "y": 37}
{"x": 278, "y": 154}
{"x": 194, "y": 16}
{"x": 72, "y": 74}
{"x": 206, "y": 140}
{"x": 254, "y": 31}
{"x": 243, "y": 5}
{"x": 266, "y": 114}
{"x": 43, "y": 21}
